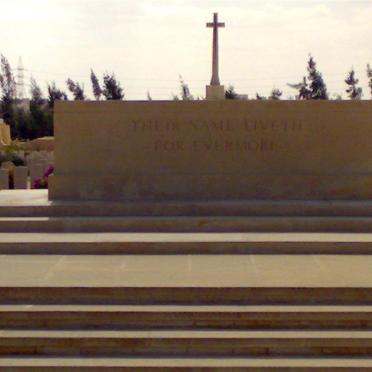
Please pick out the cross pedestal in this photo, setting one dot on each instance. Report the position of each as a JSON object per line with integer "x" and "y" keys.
{"x": 215, "y": 91}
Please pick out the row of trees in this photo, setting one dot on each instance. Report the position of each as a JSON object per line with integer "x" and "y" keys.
{"x": 313, "y": 86}
{"x": 32, "y": 123}
{"x": 38, "y": 120}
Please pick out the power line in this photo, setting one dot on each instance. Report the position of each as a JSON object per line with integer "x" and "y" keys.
{"x": 86, "y": 77}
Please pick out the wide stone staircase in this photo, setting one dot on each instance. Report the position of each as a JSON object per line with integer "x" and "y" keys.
{"x": 222, "y": 286}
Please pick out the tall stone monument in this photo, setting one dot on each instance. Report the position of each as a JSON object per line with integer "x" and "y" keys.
{"x": 215, "y": 90}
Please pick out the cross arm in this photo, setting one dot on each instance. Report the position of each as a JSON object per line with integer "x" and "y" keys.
{"x": 220, "y": 24}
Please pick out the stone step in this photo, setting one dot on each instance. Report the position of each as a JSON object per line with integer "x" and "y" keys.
{"x": 34, "y": 203}
{"x": 186, "y": 279}
{"x": 186, "y": 295}
{"x": 84, "y": 317}
{"x": 216, "y": 208}
{"x": 186, "y": 343}
{"x": 185, "y": 243}
{"x": 147, "y": 364}
{"x": 186, "y": 224}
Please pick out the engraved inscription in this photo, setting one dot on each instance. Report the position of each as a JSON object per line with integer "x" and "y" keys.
{"x": 249, "y": 125}
{"x": 248, "y": 145}
{"x": 255, "y": 135}
{"x": 273, "y": 125}
{"x": 169, "y": 146}
{"x": 154, "y": 126}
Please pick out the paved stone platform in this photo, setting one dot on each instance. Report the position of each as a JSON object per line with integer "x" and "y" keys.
{"x": 272, "y": 279}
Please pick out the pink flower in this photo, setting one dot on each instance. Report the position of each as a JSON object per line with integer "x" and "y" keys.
{"x": 49, "y": 171}
{"x": 40, "y": 183}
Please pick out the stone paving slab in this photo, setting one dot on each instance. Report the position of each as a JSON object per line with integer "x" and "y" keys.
{"x": 182, "y": 237}
{"x": 215, "y": 271}
{"x": 339, "y": 363}
{"x": 23, "y": 197}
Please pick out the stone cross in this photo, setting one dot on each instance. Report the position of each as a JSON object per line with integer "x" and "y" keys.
{"x": 215, "y": 25}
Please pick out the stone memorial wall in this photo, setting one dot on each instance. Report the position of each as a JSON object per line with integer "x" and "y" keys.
{"x": 213, "y": 150}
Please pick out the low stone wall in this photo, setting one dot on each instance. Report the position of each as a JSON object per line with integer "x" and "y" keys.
{"x": 213, "y": 150}
{"x": 41, "y": 144}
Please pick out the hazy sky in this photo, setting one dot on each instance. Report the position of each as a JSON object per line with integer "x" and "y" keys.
{"x": 149, "y": 43}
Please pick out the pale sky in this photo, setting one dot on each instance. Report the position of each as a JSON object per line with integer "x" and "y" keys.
{"x": 149, "y": 43}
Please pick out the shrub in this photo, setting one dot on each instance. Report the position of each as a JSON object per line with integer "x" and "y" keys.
{"x": 42, "y": 183}
{"x": 15, "y": 159}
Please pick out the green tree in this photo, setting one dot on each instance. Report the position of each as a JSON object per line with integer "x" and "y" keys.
{"x": 8, "y": 93}
{"x": 185, "y": 91}
{"x": 259, "y": 97}
{"x": 369, "y": 75}
{"x": 275, "y": 94}
{"x": 112, "y": 89}
{"x": 230, "y": 93}
{"x": 41, "y": 115}
{"x": 55, "y": 94}
{"x": 96, "y": 88}
{"x": 36, "y": 93}
{"x": 22, "y": 120}
{"x": 312, "y": 87}
{"x": 318, "y": 89}
{"x": 302, "y": 88}
{"x": 353, "y": 91}
{"x": 185, "y": 94}
{"x": 76, "y": 89}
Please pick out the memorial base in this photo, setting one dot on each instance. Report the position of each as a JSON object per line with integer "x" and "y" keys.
{"x": 215, "y": 92}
